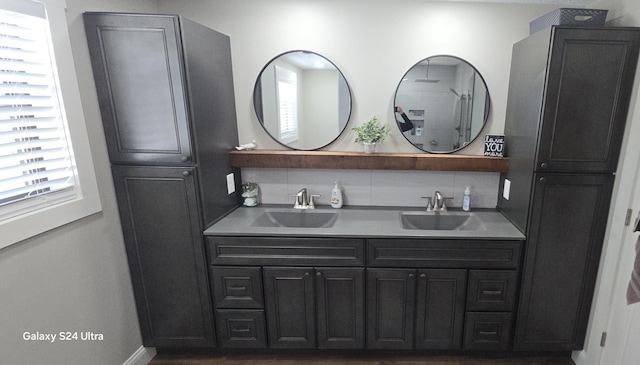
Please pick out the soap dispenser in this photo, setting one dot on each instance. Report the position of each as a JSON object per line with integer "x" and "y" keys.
{"x": 336, "y": 196}
{"x": 466, "y": 199}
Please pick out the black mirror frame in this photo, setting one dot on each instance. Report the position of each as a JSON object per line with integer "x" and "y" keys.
{"x": 257, "y": 96}
{"x": 487, "y": 108}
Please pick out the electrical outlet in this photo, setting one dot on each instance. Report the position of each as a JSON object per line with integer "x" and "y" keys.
{"x": 507, "y": 189}
{"x": 231, "y": 184}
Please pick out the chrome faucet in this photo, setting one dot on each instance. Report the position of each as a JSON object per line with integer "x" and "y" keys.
{"x": 304, "y": 200}
{"x": 438, "y": 203}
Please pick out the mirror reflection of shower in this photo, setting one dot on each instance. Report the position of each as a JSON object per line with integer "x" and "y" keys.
{"x": 463, "y": 114}
{"x": 446, "y": 100}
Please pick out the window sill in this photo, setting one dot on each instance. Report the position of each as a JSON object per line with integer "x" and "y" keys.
{"x": 28, "y": 225}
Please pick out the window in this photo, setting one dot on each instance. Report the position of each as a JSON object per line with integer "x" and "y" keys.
{"x": 43, "y": 183}
{"x": 35, "y": 158}
{"x": 287, "y": 86}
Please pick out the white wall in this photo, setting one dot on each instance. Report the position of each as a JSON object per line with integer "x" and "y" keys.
{"x": 74, "y": 278}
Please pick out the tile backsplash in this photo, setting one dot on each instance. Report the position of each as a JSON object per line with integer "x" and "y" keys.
{"x": 375, "y": 187}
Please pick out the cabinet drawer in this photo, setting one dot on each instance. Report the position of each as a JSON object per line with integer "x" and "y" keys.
{"x": 458, "y": 254}
{"x": 491, "y": 290}
{"x": 284, "y": 251}
{"x": 237, "y": 287}
{"x": 487, "y": 331}
{"x": 241, "y": 328}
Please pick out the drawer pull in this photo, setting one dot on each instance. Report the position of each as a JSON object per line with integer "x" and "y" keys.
{"x": 488, "y": 333}
{"x": 492, "y": 292}
{"x": 243, "y": 330}
{"x": 236, "y": 288}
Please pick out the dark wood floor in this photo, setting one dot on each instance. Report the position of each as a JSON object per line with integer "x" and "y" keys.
{"x": 239, "y": 359}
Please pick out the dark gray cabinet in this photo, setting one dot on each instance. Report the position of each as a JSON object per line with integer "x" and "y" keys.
{"x": 440, "y": 308}
{"x": 569, "y": 93}
{"x": 413, "y": 300}
{"x": 340, "y": 305}
{"x": 139, "y": 66}
{"x": 428, "y": 303}
{"x": 305, "y": 303}
{"x": 172, "y": 300}
{"x": 568, "y": 223}
{"x": 419, "y": 291}
{"x": 239, "y": 306}
{"x": 292, "y": 295}
{"x": 589, "y": 79}
{"x": 289, "y": 299}
{"x": 487, "y": 331}
{"x": 166, "y": 98}
{"x": 390, "y": 308}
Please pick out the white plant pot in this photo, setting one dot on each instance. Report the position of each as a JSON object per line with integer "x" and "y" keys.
{"x": 369, "y": 147}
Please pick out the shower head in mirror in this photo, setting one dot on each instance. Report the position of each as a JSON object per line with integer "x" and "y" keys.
{"x": 426, "y": 78}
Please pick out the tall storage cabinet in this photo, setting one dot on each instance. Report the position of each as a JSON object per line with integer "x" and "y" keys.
{"x": 165, "y": 90}
{"x": 569, "y": 94}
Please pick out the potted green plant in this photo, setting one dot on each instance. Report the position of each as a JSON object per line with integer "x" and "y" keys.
{"x": 371, "y": 133}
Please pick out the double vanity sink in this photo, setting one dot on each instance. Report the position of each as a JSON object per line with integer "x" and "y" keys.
{"x": 275, "y": 273}
{"x": 365, "y": 221}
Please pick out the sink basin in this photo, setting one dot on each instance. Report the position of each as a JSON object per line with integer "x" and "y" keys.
{"x": 296, "y": 219}
{"x": 439, "y": 221}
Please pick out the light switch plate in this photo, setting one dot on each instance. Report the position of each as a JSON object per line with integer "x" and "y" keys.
{"x": 507, "y": 189}
{"x": 231, "y": 184}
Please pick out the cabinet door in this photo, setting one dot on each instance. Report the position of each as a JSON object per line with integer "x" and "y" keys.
{"x": 589, "y": 84}
{"x": 340, "y": 302}
{"x": 163, "y": 237}
{"x": 289, "y": 304}
{"x": 440, "y": 309}
{"x": 390, "y": 307}
{"x": 569, "y": 218}
{"x": 137, "y": 66}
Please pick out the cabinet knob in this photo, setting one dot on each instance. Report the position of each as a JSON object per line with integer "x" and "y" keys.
{"x": 319, "y": 274}
{"x": 306, "y": 274}
{"x": 423, "y": 276}
{"x": 186, "y": 173}
{"x": 542, "y": 179}
{"x": 411, "y": 275}
{"x": 544, "y": 165}
{"x": 185, "y": 158}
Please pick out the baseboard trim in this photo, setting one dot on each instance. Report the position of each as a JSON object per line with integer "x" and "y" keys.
{"x": 142, "y": 356}
{"x": 580, "y": 358}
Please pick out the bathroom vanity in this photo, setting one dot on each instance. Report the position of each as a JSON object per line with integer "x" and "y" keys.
{"x": 356, "y": 278}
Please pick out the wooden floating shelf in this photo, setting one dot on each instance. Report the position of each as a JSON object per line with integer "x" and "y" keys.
{"x": 359, "y": 160}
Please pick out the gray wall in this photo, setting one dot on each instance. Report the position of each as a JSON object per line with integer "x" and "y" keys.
{"x": 74, "y": 278}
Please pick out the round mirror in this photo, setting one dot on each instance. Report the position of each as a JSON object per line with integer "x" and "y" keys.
{"x": 302, "y": 100}
{"x": 441, "y": 104}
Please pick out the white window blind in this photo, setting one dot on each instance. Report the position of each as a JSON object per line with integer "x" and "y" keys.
{"x": 287, "y": 104}
{"x": 35, "y": 155}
